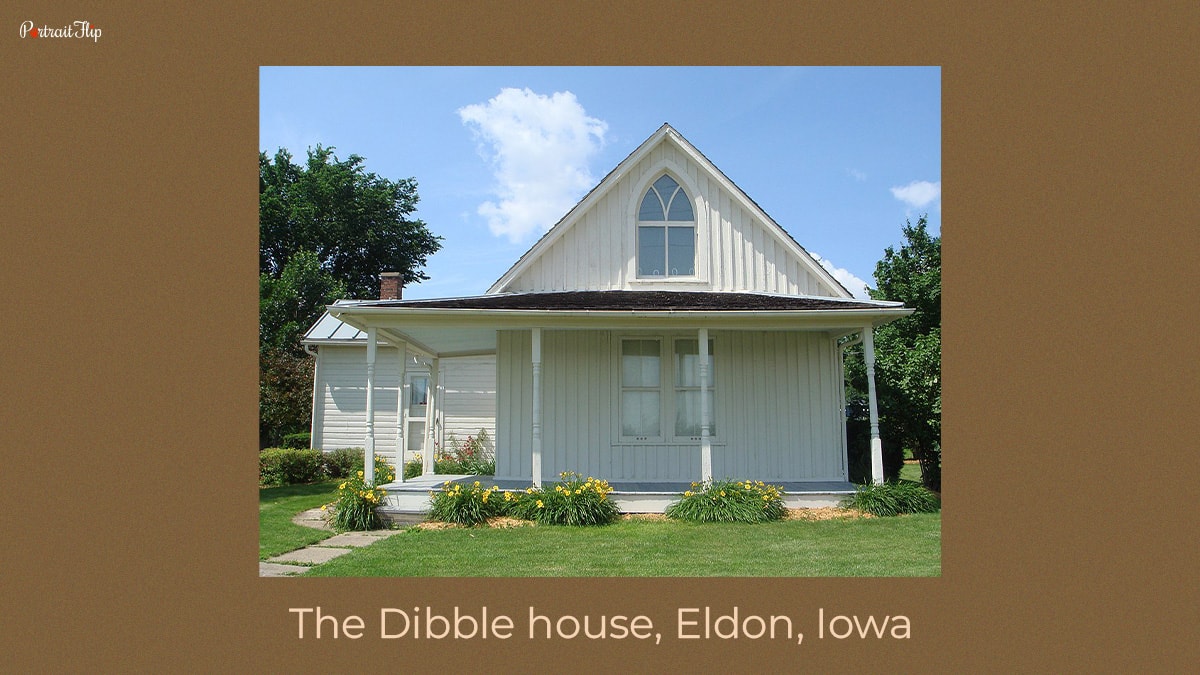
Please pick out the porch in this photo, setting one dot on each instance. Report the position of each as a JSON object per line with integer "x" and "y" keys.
{"x": 412, "y": 496}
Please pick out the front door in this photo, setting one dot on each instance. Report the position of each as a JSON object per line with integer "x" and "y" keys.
{"x": 418, "y": 398}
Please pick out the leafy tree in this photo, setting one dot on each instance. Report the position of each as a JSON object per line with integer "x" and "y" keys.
{"x": 357, "y": 223}
{"x": 908, "y": 357}
{"x": 284, "y": 395}
{"x": 290, "y": 303}
{"x": 326, "y": 231}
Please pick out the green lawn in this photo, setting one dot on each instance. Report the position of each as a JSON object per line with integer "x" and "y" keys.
{"x": 276, "y": 506}
{"x": 911, "y": 472}
{"x": 900, "y": 546}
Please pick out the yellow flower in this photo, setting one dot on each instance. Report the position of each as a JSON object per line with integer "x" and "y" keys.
{"x": 578, "y": 491}
{"x": 722, "y": 493}
{"x": 324, "y": 506}
{"x": 476, "y": 483}
{"x": 540, "y": 504}
{"x": 485, "y": 496}
{"x": 360, "y": 475}
{"x": 688, "y": 493}
{"x": 342, "y": 486}
{"x": 529, "y": 491}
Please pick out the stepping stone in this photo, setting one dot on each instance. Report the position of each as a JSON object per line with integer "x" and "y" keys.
{"x": 313, "y": 555}
{"x": 314, "y": 518}
{"x": 357, "y": 539}
{"x": 269, "y": 569}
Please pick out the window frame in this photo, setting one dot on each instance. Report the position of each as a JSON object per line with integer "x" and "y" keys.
{"x": 667, "y": 390}
{"x": 665, "y": 226}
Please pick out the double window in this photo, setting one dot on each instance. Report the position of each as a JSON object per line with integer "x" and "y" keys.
{"x": 660, "y": 394}
{"x": 666, "y": 231}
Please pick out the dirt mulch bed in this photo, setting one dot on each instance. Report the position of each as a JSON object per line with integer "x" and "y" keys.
{"x": 826, "y": 513}
{"x": 505, "y": 522}
{"x": 658, "y": 517}
{"x": 499, "y": 522}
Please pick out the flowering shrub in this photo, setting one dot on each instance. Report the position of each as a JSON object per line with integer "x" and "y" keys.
{"x": 354, "y": 508}
{"x": 384, "y": 472}
{"x": 465, "y": 458}
{"x": 413, "y": 467}
{"x": 573, "y": 501}
{"x": 470, "y": 506}
{"x": 729, "y": 502}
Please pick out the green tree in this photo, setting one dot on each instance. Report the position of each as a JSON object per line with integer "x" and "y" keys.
{"x": 290, "y": 303}
{"x": 357, "y": 223}
{"x": 326, "y": 231}
{"x": 908, "y": 356}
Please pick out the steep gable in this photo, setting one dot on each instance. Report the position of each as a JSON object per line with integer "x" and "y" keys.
{"x": 737, "y": 248}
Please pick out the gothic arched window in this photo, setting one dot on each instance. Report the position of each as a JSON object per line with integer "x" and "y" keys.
{"x": 666, "y": 231}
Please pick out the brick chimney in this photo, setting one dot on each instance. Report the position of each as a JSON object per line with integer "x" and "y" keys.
{"x": 390, "y": 286}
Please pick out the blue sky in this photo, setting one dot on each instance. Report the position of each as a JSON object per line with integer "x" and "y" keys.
{"x": 839, "y": 157}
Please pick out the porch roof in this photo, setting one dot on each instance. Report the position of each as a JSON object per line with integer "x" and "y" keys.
{"x": 637, "y": 300}
{"x": 448, "y": 327}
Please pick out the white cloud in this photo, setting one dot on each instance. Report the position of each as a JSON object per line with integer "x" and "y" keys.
{"x": 856, "y": 175}
{"x": 539, "y": 147}
{"x": 919, "y": 193}
{"x": 856, "y": 286}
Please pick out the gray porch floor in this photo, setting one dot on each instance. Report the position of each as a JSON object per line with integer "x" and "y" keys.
{"x": 433, "y": 482}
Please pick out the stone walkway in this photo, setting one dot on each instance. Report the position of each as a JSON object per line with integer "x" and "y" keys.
{"x": 301, "y": 560}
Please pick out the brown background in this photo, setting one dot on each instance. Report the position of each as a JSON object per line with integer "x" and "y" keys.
{"x": 128, "y": 408}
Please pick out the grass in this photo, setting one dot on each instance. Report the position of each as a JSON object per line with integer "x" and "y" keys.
{"x": 276, "y": 506}
{"x": 889, "y": 547}
{"x": 911, "y": 472}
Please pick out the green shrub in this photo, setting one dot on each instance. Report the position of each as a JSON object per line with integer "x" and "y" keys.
{"x": 413, "y": 468}
{"x": 299, "y": 440}
{"x": 893, "y": 499}
{"x": 343, "y": 462}
{"x": 729, "y": 501}
{"x": 289, "y": 466}
{"x": 470, "y": 506}
{"x": 354, "y": 508}
{"x": 470, "y": 457}
{"x": 463, "y": 458}
{"x": 573, "y": 501}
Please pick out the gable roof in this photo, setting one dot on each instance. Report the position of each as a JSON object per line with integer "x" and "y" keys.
{"x": 665, "y": 133}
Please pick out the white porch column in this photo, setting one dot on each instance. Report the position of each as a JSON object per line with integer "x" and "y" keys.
{"x": 876, "y": 443}
{"x": 705, "y": 414}
{"x": 536, "y": 462}
{"x": 430, "y": 416}
{"x": 369, "y": 446}
{"x": 402, "y": 411}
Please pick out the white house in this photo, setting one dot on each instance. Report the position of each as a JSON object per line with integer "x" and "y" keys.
{"x": 665, "y": 330}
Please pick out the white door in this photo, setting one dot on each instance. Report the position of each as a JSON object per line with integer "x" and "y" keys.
{"x": 418, "y": 392}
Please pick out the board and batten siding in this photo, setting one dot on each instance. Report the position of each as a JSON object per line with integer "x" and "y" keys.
{"x": 736, "y": 251}
{"x": 774, "y": 399}
{"x": 339, "y": 414}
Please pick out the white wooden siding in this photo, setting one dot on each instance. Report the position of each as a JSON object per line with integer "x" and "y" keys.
{"x": 469, "y": 399}
{"x": 736, "y": 251}
{"x": 339, "y": 415}
{"x": 774, "y": 399}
